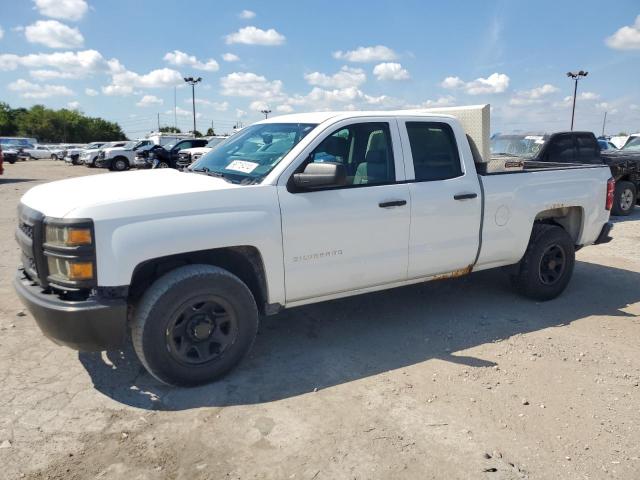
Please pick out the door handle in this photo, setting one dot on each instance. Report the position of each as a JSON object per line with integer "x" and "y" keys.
{"x": 465, "y": 196}
{"x": 393, "y": 203}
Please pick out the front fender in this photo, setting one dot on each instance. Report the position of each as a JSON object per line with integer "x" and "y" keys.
{"x": 247, "y": 216}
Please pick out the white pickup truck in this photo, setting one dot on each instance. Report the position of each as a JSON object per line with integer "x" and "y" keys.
{"x": 290, "y": 211}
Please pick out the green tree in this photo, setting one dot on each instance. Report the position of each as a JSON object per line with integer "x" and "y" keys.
{"x": 210, "y": 132}
{"x": 197, "y": 134}
{"x": 56, "y": 126}
{"x": 168, "y": 129}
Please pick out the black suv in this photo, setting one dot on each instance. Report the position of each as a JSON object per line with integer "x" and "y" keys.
{"x": 167, "y": 156}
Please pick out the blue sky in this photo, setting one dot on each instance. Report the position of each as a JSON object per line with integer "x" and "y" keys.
{"x": 121, "y": 59}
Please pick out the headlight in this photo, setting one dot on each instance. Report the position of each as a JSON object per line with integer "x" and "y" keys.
{"x": 57, "y": 235}
{"x": 71, "y": 270}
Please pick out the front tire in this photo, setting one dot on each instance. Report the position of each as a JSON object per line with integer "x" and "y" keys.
{"x": 624, "y": 198}
{"x": 194, "y": 324}
{"x": 547, "y": 266}
{"x": 54, "y": 157}
{"x": 119, "y": 164}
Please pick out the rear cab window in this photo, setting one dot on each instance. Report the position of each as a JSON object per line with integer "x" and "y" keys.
{"x": 434, "y": 151}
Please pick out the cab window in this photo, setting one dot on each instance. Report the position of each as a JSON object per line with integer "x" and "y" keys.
{"x": 365, "y": 150}
{"x": 434, "y": 151}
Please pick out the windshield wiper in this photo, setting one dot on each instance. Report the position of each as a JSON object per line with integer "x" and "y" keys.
{"x": 211, "y": 173}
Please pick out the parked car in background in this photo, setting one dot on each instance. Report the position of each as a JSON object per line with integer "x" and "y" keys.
{"x": 1, "y": 161}
{"x": 606, "y": 144}
{"x": 249, "y": 231}
{"x": 18, "y": 141}
{"x": 162, "y": 138}
{"x": 120, "y": 158}
{"x": 89, "y": 154}
{"x": 10, "y": 153}
{"x": 37, "y": 152}
{"x": 143, "y": 156}
{"x": 189, "y": 155}
{"x": 167, "y": 156}
{"x": 579, "y": 148}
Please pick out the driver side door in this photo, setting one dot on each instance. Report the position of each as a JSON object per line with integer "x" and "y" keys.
{"x": 352, "y": 236}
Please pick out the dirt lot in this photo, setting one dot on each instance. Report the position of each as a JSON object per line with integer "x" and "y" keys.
{"x": 450, "y": 379}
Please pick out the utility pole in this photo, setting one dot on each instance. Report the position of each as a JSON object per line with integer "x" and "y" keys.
{"x": 604, "y": 122}
{"x": 575, "y": 76}
{"x": 158, "y": 121}
{"x": 266, "y": 113}
{"x": 175, "y": 109}
{"x": 192, "y": 81}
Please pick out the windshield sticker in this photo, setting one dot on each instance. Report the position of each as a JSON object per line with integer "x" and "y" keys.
{"x": 242, "y": 166}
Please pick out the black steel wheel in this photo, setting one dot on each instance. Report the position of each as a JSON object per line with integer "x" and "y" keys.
{"x": 552, "y": 264}
{"x": 201, "y": 330}
{"x": 194, "y": 324}
{"x": 547, "y": 265}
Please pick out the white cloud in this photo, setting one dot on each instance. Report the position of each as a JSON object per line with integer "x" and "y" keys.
{"x": 149, "y": 101}
{"x": 181, "y": 112}
{"x": 379, "y": 53}
{"x": 346, "y": 77}
{"x": 218, "y": 106}
{"x": 91, "y": 92}
{"x": 390, "y": 71}
{"x": 73, "y": 105}
{"x": 33, "y": 90}
{"x": 247, "y": 14}
{"x": 247, "y": 84}
{"x": 50, "y": 74}
{"x": 124, "y": 81}
{"x": 240, "y": 113}
{"x": 1, "y": 33}
{"x": 117, "y": 90}
{"x": 62, "y": 9}
{"x": 446, "y": 101}
{"x": 53, "y": 34}
{"x": 494, "y": 83}
{"x": 82, "y": 63}
{"x": 182, "y": 59}
{"x": 568, "y": 100}
{"x": 588, "y": 96}
{"x": 284, "y": 109}
{"x": 230, "y": 57}
{"x": 256, "y": 36}
{"x": 535, "y": 95}
{"x": 626, "y": 38}
{"x": 258, "y": 106}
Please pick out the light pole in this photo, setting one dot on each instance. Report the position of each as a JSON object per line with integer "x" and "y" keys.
{"x": 192, "y": 81}
{"x": 576, "y": 76}
{"x": 266, "y": 112}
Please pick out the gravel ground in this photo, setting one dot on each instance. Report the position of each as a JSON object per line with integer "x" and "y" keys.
{"x": 452, "y": 379}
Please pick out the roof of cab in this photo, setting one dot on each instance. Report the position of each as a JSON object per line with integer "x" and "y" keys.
{"x": 320, "y": 117}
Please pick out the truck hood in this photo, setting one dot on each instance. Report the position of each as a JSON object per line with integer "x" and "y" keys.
{"x": 74, "y": 197}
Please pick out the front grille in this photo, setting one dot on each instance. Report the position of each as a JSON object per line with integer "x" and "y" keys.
{"x": 29, "y": 235}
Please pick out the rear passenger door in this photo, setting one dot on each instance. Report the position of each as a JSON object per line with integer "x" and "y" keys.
{"x": 445, "y": 199}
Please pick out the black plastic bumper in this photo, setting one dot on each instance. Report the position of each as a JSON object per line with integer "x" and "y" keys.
{"x": 89, "y": 325}
{"x": 604, "y": 234}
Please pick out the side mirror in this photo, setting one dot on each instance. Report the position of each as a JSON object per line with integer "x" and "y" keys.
{"x": 326, "y": 174}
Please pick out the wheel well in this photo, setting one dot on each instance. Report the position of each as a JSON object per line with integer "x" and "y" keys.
{"x": 121, "y": 157}
{"x": 569, "y": 218}
{"x": 245, "y": 262}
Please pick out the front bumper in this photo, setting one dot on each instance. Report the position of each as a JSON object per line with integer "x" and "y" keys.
{"x": 89, "y": 325}
{"x": 604, "y": 234}
{"x": 142, "y": 162}
{"x": 103, "y": 163}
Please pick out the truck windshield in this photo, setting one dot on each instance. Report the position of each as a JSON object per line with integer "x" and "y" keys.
{"x": 252, "y": 153}
{"x": 520, "y": 145}
{"x": 633, "y": 145}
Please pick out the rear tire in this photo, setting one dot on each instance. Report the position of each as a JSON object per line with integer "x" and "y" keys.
{"x": 547, "y": 265}
{"x": 624, "y": 198}
{"x": 194, "y": 324}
